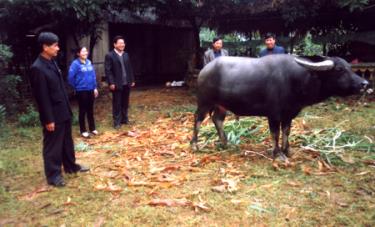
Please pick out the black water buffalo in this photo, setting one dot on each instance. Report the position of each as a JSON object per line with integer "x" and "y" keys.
{"x": 276, "y": 86}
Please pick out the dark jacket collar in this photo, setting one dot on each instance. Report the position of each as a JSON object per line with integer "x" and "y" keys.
{"x": 50, "y": 64}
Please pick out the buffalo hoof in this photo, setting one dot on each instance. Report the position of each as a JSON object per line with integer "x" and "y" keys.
{"x": 283, "y": 157}
{"x": 275, "y": 153}
{"x": 286, "y": 153}
{"x": 220, "y": 145}
{"x": 194, "y": 146}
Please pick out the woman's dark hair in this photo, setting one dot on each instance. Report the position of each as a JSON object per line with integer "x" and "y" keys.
{"x": 214, "y": 40}
{"x": 117, "y": 38}
{"x": 47, "y": 38}
{"x": 78, "y": 49}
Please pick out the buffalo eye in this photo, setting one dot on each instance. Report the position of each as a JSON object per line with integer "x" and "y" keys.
{"x": 340, "y": 69}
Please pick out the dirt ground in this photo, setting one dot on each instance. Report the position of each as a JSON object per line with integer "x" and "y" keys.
{"x": 146, "y": 174}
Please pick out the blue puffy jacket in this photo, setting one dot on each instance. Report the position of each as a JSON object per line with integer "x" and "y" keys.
{"x": 82, "y": 76}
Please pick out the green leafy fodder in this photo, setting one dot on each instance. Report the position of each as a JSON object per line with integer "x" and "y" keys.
{"x": 244, "y": 130}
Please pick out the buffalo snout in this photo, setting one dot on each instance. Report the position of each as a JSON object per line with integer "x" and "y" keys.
{"x": 364, "y": 84}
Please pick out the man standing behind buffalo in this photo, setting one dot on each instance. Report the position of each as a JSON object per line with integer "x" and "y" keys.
{"x": 54, "y": 112}
{"x": 216, "y": 51}
{"x": 271, "y": 47}
{"x": 120, "y": 78}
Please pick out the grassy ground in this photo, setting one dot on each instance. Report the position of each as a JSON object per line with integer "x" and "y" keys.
{"x": 145, "y": 174}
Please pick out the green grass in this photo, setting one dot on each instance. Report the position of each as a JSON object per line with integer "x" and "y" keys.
{"x": 283, "y": 196}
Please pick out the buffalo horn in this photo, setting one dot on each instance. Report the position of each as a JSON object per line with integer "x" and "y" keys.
{"x": 317, "y": 66}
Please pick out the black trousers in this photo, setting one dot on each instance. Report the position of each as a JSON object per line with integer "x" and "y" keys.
{"x": 120, "y": 105}
{"x": 86, "y": 109}
{"x": 58, "y": 150}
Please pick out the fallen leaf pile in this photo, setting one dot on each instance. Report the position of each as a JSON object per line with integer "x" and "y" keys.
{"x": 156, "y": 155}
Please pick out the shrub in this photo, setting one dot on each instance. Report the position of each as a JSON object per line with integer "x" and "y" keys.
{"x": 9, "y": 94}
{"x": 30, "y": 118}
{"x": 5, "y": 53}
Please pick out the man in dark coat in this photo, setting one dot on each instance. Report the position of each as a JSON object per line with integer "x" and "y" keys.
{"x": 120, "y": 79}
{"x": 54, "y": 112}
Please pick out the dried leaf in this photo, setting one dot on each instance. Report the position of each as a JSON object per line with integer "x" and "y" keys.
{"x": 141, "y": 183}
{"x": 294, "y": 183}
{"x": 69, "y": 202}
{"x": 275, "y": 165}
{"x": 99, "y": 222}
{"x": 342, "y": 204}
{"x": 207, "y": 159}
{"x": 178, "y": 202}
{"x": 109, "y": 186}
{"x": 32, "y": 195}
{"x": 369, "y": 162}
{"x": 306, "y": 169}
{"x": 328, "y": 194}
{"x": 290, "y": 213}
{"x": 166, "y": 153}
{"x": 170, "y": 202}
{"x": 201, "y": 205}
{"x": 323, "y": 166}
{"x": 320, "y": 166}
{"x": 220, "y": 188}
{"x": 347, "y": 158}
{"x": 131, "y": 134}
{"x": 231, "y": 184}
{"x": 362, "y": 173}
{"x": 267, "y": 186}
{"x": 236, "y": 201}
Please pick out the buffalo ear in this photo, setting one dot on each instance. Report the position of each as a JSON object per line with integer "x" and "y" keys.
{"x": 339, "y": 67}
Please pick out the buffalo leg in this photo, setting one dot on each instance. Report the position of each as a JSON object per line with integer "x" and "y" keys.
{"x": 200, "y": 114}
{"x": 275, "y": 133}
{"x": 218, "y": 119}
{"x": 285, "y": 127}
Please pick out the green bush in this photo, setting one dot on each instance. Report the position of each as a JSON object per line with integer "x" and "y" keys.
{"x": 9, "y": 94}
{"x": 30, "y": 118}
{"x": 5, "y": 53}
{"x": 308, "y": 48}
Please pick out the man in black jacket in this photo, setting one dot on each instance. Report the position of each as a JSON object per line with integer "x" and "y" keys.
{"x": 54, "y": 112}
{"x": 120, "y": 78}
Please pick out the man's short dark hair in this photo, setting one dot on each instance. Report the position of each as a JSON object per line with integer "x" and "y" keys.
{"x": 214, "y": 40}
{"x": 47, "y": 38}
{"x": 269, "y": 35}
{"x": 117, "y": 37}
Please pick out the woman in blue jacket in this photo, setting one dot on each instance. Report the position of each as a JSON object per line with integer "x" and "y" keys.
{"x": 82, "y": 78}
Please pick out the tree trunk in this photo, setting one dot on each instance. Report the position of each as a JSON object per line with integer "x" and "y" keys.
{"x": 93, "y": 39}
{"x": 291, "y": 45}
{"x": 197, "y": 44}
{"x": 325, "y": 49}
{"x": 76, "y": 42}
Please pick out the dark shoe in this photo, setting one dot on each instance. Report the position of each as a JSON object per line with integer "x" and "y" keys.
{"x": 80, "y": 168}
{"x": 58, "y": 183}
{"x": 117, "y": 126}
{"x": 125, "y": 122}
{"x": 83, "y": 169}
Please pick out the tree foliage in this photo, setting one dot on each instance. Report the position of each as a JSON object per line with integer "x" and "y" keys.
{"x": 9, "y": 95}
